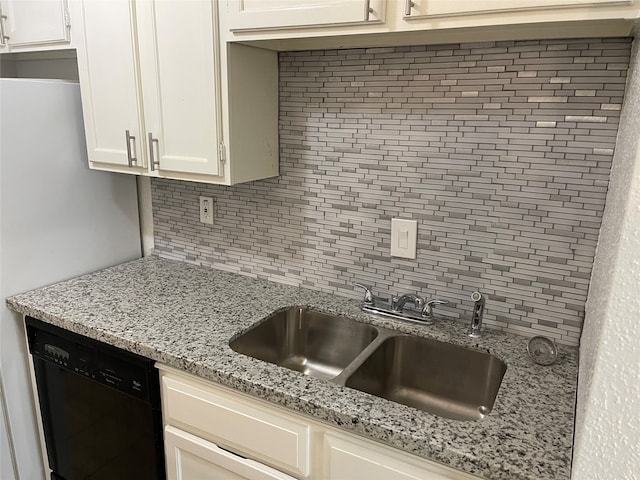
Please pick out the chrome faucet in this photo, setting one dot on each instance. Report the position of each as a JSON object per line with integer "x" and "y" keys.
{"x": 427, "y": 311}
{"x": 397, "y": 304}
{"x": 476, "y": 317}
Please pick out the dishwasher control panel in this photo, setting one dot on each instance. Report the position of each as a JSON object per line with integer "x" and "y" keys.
{"x": 111, "y": 366}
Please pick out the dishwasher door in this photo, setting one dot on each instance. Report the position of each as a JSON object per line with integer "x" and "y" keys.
{"x": 100, "y": 408}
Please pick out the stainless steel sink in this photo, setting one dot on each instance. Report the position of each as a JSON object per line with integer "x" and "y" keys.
{"x": 440, "y": 378}
{"x": 314, "y": 343}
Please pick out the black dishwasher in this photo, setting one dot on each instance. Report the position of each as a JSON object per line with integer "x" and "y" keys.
{"x": 100, "y": 407}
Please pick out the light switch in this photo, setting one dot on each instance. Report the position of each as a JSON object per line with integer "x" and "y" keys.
{"x": 404, "y": 238}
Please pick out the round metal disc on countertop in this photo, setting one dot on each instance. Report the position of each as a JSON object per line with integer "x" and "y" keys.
{"x": 542, "y": 350}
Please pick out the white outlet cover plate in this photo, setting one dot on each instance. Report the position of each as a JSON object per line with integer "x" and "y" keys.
{"x": 404, "y": 238}
{"x": 206, "y": 210}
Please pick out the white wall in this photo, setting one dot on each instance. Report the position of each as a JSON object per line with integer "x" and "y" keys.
{"x": 607, "y": 441}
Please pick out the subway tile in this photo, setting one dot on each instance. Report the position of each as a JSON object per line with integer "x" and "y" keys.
{"x": 500, "y": 150}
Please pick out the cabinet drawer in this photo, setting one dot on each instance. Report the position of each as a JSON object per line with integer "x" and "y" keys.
{"x": 349, "y": 457}
{"x": 237, "y": 424}
{"x": 189, "y": 457}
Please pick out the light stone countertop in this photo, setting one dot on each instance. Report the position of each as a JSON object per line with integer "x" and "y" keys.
{"x": 184, "y": 316}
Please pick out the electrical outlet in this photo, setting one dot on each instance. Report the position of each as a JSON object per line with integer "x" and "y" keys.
{"x": 206, "y": 210}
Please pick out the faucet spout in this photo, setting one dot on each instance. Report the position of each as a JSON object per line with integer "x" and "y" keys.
{"x": 398, "y": 304}
{"x": 476, "y": 317}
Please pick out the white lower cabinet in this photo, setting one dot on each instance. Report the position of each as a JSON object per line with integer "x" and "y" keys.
{"x": 192, "y": 458}
{"x": 348, "y": 457}
{"x": 212, "y": 432}
{"x": 237, "y": 423}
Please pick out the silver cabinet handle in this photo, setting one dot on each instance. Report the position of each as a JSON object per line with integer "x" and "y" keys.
{"x": 3, "y": 37}
{"x": 130, "y": 152}
{"x": 367, "y": 10}
{"x": 152, "y": 157}
{"x": 408, "y": 5}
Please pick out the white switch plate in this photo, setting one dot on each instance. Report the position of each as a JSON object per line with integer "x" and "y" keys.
{"x": 206, "y": 210}
{"x": 404, "y": 238}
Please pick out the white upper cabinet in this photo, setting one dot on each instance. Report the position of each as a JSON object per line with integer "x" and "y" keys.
{"x": 179, "y": 63}
{"x": 148, "y": 73}
{"x": 441, "y": 8}
{"x": 109, "y": 80}
{"x": 346, "y": 24}
{"x": 33, "y": 23}
{"x": 282, "y": 14}
{"x": 157, "y": 103}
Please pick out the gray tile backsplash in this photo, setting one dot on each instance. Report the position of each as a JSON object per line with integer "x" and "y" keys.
{"x": 501, "y": 151}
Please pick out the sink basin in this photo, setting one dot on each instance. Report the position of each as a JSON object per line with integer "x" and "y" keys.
{"x": 314, "y": 343}
{"x": 440, "y": 378}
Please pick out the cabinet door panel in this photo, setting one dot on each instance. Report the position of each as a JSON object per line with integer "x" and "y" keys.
{"x": 107, "y": 66}
{"x": 435, "y": 8}
{"x": 35, "y": 22}
{"x": 178, "y": 55}
{"x": 349, "y": 457}
{"x": 192, "y": 458}
{"x": 274, "y": 14}
{"x": 258, "y": 433}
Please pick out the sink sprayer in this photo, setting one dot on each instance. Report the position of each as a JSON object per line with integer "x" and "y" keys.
{"x": 476, "y": 317}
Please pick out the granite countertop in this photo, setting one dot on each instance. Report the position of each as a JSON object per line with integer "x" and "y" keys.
{"x": 184, "y": 315}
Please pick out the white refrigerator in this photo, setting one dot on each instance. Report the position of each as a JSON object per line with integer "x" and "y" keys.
{"x": 58, "y": 219}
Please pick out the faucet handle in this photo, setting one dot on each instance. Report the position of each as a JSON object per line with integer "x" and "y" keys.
{"x": 368, "y": 296}
{"x": 427, "y": 311}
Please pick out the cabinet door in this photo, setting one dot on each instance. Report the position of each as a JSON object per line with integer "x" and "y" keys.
{"x": 109, "y": 79}
{"x": 225, "y": 418}
{"x": 192, "y": 458}
{"x": 179, "y": 65}
{"x": 3, "y": 26}
{"x": 278, "y": 14}
{"x": 34, "y": 22}
{"x": 436, "y": 8}
{"x": 349, "y": 457}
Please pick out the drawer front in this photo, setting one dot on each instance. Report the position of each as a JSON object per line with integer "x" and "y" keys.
{"x": 349, "y": 457}
{"x": 189, "y": 457}
{"x": 238, "y": 425}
